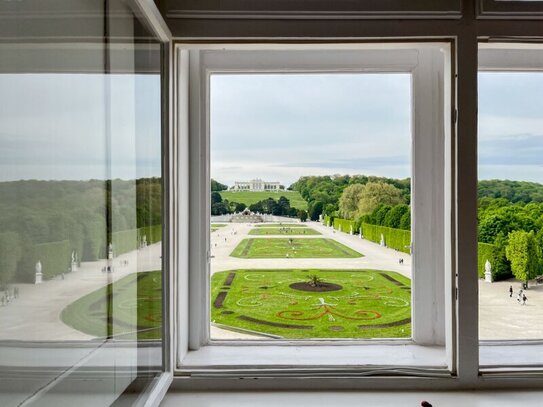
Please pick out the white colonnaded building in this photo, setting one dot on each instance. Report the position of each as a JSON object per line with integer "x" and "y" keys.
{"x": 256, "y": 185}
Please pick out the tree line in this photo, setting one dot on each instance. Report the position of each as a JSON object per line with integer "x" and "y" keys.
{"x": 270, "y": 206}
{"x": 80, "y": 216}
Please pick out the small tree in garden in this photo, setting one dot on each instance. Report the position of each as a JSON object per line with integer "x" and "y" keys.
{"x": 314, "y": 280}
{"x": 522, "y": 252}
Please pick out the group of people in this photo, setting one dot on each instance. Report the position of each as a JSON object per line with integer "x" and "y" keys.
{"x": 521, "y": 295}
{"x": 9, "y": 295}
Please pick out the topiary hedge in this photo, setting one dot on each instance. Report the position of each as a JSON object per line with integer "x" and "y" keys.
{"x": 55, "y": 258}
{"x": 345, "y": 225}
{"x": 500, "y": 267}
{"x": 153, "y": 233}
{"x": 397, "y": 239}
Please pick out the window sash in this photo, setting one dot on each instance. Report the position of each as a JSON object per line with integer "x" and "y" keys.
{"x": 433, "y": 306}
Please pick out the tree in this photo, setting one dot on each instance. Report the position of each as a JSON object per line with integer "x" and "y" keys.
{"x": 381, "y": 213}
{"x": 302, "y": 214}
{"x": 239, "y": 207}
{"x": 349, "y": 200}
{"x": 217, "y": 186}
{"x": 378, "y": 193}
{"x": 215, "y": 198}
{"x": 393, "y": 218}
{"x": 522, "y": 252}
{"x": 405, "y": 222}
{"x": 315, "y": 209}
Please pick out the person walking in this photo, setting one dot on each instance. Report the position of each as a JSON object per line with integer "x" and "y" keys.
{"x": 524, "y": 298}
{"x": 510, "y": 291}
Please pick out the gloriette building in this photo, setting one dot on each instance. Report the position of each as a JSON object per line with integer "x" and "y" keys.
{"x": 256, "y": 185}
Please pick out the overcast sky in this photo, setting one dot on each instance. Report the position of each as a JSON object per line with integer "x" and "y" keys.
{"x": 275, "y": 127}
{"x": 280, "y": 127}
{"x": 54, "y": 126}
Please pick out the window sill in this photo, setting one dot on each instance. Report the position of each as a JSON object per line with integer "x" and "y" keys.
{"x": 509, "y": 355}
{"x": 378, "y": 356}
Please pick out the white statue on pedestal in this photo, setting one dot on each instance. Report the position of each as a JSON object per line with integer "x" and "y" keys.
{"x": 488, "y": 272}
{"x": 382, "y": 242}
{"x": 39, "y": 275}
{"x": 351, "y": 231}
{"x": 74, "y": 261}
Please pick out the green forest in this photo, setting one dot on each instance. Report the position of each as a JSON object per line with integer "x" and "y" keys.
{"x": 48, "y": 220}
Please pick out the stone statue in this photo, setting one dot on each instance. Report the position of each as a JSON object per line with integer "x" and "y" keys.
{"x": 382, "y": 242}
{"x": 488, "y": 272}
{"x": 39, "y": 275}
{"x": 73, "y": 266}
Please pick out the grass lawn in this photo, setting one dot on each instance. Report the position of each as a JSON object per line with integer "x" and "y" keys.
{"x": 283, "y": 231}
{"x": 259, "y": 248}
{"x": 248, "y": 198}
{"x": 368, "y": 303}
{"x": 279, "y": 225}
{"x": 110, "y": 310}
{"x": 216, "y": 226}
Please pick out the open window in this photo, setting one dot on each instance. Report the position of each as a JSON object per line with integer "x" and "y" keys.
{"x": 209, "y": 81}
{"x": 509, "y": 206}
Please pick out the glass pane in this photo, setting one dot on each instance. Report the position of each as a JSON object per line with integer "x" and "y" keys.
{"x": 310, "y": 206}
{"x": 80, "y": 204}
{"x": 510, "y": 210}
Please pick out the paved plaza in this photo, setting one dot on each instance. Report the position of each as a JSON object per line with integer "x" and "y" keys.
{"x": 35, "y": 315}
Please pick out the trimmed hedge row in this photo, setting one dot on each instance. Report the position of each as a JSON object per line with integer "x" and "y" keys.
{"x": 345, "y": 225}
{"x": 152, "y": 233}
{"x": 328, "y": 220}
{"x": 124, "y": 241}
{"x": 55, "y": 258}
{"x": 397, "y": 239}
{"x": 496, "y": 257}
{"x": 128, "y": 240}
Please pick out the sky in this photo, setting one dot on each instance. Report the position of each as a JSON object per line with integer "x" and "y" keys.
{"x": 283, "y": 126}
{"x": 55, "y": 126}
{"x": 276, "y": 127}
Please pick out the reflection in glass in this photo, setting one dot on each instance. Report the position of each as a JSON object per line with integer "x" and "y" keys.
{"x": 80, "y": 211}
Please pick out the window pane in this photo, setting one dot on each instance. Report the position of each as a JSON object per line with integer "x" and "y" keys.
{"x": 510, "y": 210}
{"x": 80, "y": 208}
{"x": 310, "y": 206}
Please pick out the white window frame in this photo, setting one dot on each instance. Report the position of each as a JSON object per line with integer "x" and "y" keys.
{"x": 497, "y": 356}
{"x": 432, "y": 282}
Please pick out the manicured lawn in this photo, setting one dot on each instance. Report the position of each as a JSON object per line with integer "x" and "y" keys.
{"x": 216, "y": 226}
{"x": 278, "y": 225}
{"x": 368, "y": 303}
{"x": 111, "y": 310}
{"x": 248, "y": 198}
{"x": 259, "y": 248}
{"x": 283, "y": 231}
